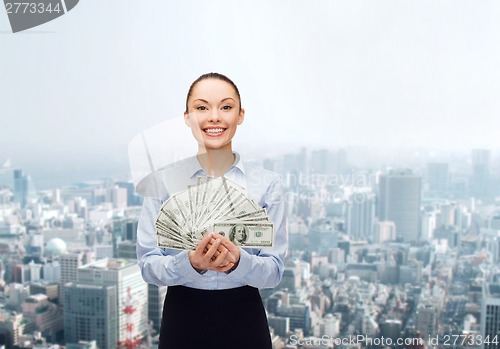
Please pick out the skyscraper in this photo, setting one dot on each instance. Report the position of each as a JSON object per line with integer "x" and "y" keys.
{"x": 490, "y": 315}
{"x": 480, "y": 172}
{"x": 125, "y": 275}
{"x": 21, "y": 187}
{"x": 438, "y": 178}
{"x": 91, "y": 313}
{"x": 360, "y": 215}
{"x": 400, "y": 193}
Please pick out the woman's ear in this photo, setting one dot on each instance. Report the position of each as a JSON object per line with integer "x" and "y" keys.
{"x": 241, "y": 117}
{"x": 186, "y": 119}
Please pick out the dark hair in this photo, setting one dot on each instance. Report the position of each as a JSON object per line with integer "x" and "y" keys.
{"x": 212, "y": 76}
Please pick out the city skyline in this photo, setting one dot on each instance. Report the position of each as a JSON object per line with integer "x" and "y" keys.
{"x": 389, "y": 74}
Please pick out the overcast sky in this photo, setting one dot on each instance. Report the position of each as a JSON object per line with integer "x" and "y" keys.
{"x": 317, "y": 73}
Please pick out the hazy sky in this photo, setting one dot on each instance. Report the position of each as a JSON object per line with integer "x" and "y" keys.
{"x": 75, "y": 91}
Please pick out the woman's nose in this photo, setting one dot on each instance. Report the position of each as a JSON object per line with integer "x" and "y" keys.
{"x": 214, "y": 115}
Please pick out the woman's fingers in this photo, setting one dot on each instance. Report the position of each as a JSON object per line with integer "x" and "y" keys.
{"x": 212, "y": 253}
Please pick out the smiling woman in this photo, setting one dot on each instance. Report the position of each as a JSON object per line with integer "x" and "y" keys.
{"x": 213, "y": 112}
{"x": 213, "y": 299}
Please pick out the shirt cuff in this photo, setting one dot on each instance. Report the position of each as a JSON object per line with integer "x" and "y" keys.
{"x": 185, "y": 268}
{"x": 244, "y": 265}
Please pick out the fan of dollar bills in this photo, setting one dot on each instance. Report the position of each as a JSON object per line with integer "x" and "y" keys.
{"x": 213, "y": 204}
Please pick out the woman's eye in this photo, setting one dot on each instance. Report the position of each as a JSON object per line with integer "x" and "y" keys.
{"x": 201, "y": 107}
{"x": 227, "y": 107}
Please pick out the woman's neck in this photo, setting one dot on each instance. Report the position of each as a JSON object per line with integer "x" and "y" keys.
{"x": 216, "y": 162}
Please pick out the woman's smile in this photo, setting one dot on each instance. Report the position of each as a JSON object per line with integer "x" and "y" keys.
{"x": 214, "y": 131}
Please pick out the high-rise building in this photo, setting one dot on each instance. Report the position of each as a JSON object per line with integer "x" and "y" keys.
{"x": 156, "y": 298}
{"x": 438, "y": 178}
{"x": 124, "y": 230}
{"x": 480, "y": 172}
{"x": 125, "y": 275}
{"x": 400, "y": 195}
{"x": 360, "y": 215}
{"x": 71, "y": 261}
{"x": 133, "y": 199}
{"x": 323, "y": 236}
{"x": 69, "y": 264}
{"x": 427, "y": 319}
{"x": 320, "y": 161}
{"x": 490, "y": 315}
{"x": 22, "y": 187}
{"x": 91, "y": 313}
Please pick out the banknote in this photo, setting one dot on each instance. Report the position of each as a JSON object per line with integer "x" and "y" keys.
{"x": 213, "y": 204}
{"x": 247, "y": 234}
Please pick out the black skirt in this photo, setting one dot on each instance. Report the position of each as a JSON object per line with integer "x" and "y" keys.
{"x": 222, "y": 319}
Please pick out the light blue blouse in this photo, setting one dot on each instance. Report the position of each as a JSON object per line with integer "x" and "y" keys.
{"x": 261, "y": 268}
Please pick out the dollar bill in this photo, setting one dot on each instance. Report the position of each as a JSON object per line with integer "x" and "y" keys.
{"x": 212, "y": 204}
{"x": 247, "y": 234}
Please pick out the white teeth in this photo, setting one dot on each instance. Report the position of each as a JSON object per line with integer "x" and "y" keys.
{"x": 214, "y": 130}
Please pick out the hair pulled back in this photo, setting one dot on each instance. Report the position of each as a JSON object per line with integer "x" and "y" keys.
{"x": 217, "y": 76}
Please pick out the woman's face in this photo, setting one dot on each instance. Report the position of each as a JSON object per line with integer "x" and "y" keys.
{"x": 214, "y": 114}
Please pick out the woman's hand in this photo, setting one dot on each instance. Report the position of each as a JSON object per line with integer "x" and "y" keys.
{"x": 205, "y": 257}
{"x": 233, "y": 251}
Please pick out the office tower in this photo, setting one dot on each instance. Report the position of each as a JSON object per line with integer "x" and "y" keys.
{"x": 291, "y": 276}
{"x": 21, "y": 187}
{"x": 91, "y": 313}
{"x": 17, "y": 293}
{"x": 280, "y": 325}
{"x": 391, "y": 328}
{"x": 11, "y": 328}
{"x": 428, "y": 226}
{"x": 323, "y": 236}
{"x": 156, "y": 298}
{"x": 447, "y": 214}
{"x": 133, "y": 199}
{"x": 438, "y": 178}
{"x": 70, "y": 262}
{"x": 490, "y": 315}
{"x": 118, "y": 196}
{"x": 480, "y": 173}
{"x": 125, "y": 275}
{"x": 124, "y": 229}
{"x": 410, "y": 273}
{"x": 320, "y": 161}
{"x": 268, "y": 164}
{"x": 330, "y": 325}
{"x": 427, "y": 319}
{"x": 400, "y": 193}
{"x": 126, "y": 249}
{"x": 360, "y": 215}
{"x": 494, "y": 221}
{"x": 299, "y": 315}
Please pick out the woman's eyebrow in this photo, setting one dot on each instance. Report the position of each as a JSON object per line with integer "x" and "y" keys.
{"x": 225, "y": 99}
{"x": 199, "y": 99}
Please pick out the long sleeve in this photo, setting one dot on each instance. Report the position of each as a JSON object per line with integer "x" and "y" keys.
{"x": 260, "y": 268}
{"x": 264, "y": 268}
{"x": 160, "y": 266}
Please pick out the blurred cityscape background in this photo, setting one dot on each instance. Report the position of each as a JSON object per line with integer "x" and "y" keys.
{"x": 401, "y": 247}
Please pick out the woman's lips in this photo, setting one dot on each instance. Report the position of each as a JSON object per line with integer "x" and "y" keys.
{"x": 214, "y": 131}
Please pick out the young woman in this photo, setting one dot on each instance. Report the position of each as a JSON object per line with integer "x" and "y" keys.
{"x": 212, "y": 299}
